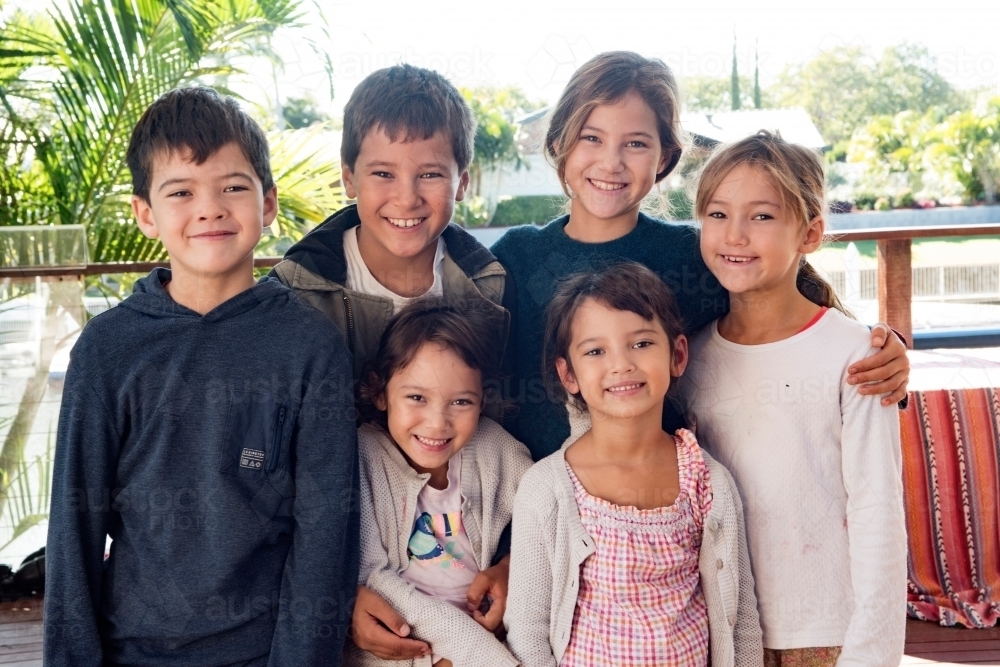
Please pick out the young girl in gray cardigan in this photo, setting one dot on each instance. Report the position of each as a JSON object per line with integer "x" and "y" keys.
{"x": 437, "y": 483}
{"x": 628, "y": 544}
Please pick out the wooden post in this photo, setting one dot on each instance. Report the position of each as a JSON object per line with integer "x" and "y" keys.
{"x": 895, "y": 286}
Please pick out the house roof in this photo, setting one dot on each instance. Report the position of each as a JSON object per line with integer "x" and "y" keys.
{"x": 794, "y": 125}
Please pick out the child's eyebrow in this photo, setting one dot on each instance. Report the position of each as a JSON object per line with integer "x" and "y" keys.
{"x": 181, "y": 181}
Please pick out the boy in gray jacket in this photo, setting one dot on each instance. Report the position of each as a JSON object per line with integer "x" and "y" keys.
{"x": 407, "y": 145}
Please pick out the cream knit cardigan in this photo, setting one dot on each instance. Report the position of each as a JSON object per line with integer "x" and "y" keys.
{"x": 492, "y": 465}
{"x": 549, "y": 544}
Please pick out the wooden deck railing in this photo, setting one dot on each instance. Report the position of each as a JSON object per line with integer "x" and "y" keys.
{"x": 895, "y": 272}
{"x": 895, "y": 276}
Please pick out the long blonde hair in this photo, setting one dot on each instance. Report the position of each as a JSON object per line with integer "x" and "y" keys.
{"x": 796, "y": 172}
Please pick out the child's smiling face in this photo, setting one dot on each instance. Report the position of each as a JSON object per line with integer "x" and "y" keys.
{"x": 619, "y": 362}
{"x": 209, "y": 216}
{"x": 433, "y": 405}
{"x": 749, "y": 241}
{"x": 615, "y": 161}
{"x": 406, "y": 193}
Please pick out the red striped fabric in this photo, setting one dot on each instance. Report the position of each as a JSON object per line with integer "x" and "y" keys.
{"x": 951, "y": 482}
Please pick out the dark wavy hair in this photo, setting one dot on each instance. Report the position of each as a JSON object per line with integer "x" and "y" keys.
{"x": 627, "y": 286}
{"x": 468, "y": 332}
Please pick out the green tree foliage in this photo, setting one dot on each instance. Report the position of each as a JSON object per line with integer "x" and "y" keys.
{"x": 496, "y": 146}
{"x": 496, "y": 109}
{"x": 300, "y": 112}
{"x": 967, "y": 145}
{"x": 924, "y": 150}
{"x": 842, "y": 88}
{"x": 713, "y": 94}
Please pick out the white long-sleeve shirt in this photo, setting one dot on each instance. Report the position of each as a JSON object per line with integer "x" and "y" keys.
{"x": 818, "y": 467}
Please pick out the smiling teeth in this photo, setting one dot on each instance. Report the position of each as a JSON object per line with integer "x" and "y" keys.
{"x": 604, "y": 185}
{"x": 730, "y": 258}
{"x": 431, "y": 443}
{"x": 405, "y": 223}
{"x": 627, "y": 387}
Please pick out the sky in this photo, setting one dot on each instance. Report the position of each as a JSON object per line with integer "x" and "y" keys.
{"x": 537, "y": 45}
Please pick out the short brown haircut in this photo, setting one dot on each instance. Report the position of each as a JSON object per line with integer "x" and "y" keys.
{"x": 200, "y": 120}
{"x": 468, "y": 332}
{"x": 627, "y": 286}
{"x": 608, "y": 78}
{"x": 408, "y": 103}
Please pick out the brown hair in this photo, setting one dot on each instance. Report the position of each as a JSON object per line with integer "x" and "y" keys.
{"x": 608, "y": 78}
{"x": 200, "y": 120}
{"x": 468, "y": 332}
{"x": 407, "y": 103}
{"x": 627, "y": 286}
{"x": 796, "y": 172}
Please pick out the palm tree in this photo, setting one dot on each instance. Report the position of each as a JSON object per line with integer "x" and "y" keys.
{"x": 74, "y": 81}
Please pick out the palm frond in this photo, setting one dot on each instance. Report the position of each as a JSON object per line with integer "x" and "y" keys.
{"x": 306, "y": 168}
{"x": 97, "y": 65}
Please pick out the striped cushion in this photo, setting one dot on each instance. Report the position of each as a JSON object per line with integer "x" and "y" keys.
{"x": 951, "y": 480}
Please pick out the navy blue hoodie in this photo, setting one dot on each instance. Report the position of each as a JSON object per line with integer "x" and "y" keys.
{"x": 219, "y": 453}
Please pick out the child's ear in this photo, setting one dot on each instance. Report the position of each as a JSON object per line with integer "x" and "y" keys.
{"x": 463, "y": 184}
{"x": 347, "y": 176}
{"x": 566, "y": 376}
{"x": 270, "y": 205}
{"x": 679, "y": 359}
{"x": 814, "y": 235}
{"x": 144, "y": 217}
{"x": 380, "y": 402}
{"x": 664, "y": 161}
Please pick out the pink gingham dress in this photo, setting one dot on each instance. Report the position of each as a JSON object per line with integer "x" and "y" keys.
{"x": 640, "y": 601}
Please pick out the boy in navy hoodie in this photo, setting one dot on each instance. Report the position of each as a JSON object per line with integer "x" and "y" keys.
{"x": 206, "y": 428}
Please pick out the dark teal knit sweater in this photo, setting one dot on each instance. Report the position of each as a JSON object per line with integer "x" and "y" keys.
{"x": 536, "y": 258}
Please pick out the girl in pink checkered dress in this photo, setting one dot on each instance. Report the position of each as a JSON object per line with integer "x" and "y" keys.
{"x": 628, "y": 545}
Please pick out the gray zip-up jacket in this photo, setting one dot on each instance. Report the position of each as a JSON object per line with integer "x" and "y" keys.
{"x": 316, "y": 269}
{"x": 550, "y": 543}
{"x": 492, "y": 465}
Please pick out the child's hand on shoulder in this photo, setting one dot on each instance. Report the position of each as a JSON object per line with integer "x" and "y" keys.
{"x": 885, "y": 372}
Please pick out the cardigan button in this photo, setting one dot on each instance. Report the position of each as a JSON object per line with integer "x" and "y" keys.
{"x": 718, "y": 564}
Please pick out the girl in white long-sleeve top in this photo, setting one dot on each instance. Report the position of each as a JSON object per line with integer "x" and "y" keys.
{"x": 817, "y": 464}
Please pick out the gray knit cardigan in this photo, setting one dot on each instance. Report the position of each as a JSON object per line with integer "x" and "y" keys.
{"x": 493, "y": 463}
{"x": 549, "y": 544}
